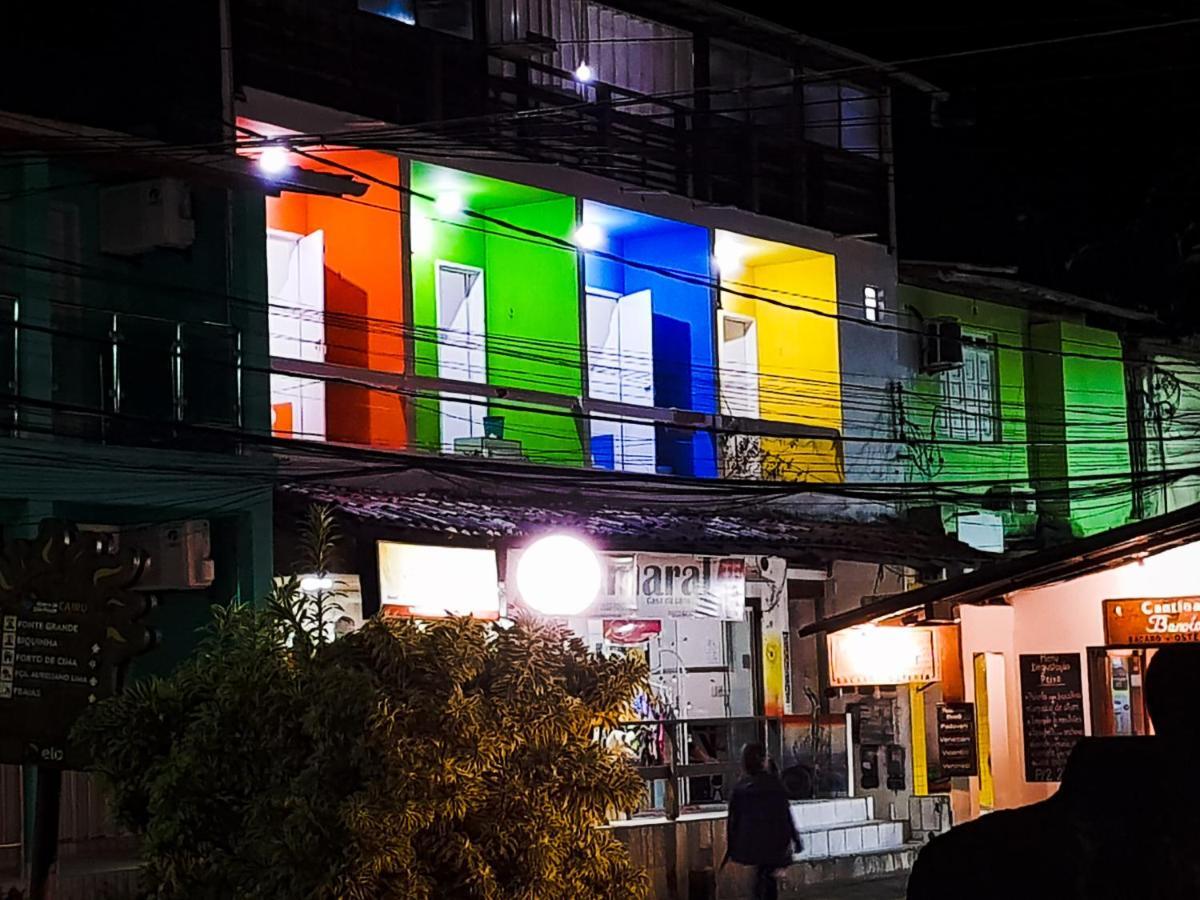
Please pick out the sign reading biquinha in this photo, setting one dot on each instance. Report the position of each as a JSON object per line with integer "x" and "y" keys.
{"x": 69, "y": 625}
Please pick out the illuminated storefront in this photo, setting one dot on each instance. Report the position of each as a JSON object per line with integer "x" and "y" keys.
{"x": 1042, "y": 650}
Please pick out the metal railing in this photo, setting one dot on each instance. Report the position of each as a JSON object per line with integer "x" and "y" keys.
{"x": 118, "y": 376}
{"x": 724, "y": 157}
{"x": 693, "y": 764}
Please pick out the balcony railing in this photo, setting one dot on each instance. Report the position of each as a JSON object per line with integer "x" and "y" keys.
{"x": 119, "y": 377}
{"x": 671, "y": 145}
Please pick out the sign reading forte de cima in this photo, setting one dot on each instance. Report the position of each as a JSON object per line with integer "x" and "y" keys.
{"x": 1161, "y": 620}
{"x": 68, "y": 629}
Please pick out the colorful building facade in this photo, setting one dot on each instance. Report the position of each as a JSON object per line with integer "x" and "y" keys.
{"x": 1030, "y": 405}
{"x": 458, "y": 312}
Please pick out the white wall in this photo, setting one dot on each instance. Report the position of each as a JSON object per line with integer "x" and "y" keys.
{"x": 1059, "y": 618}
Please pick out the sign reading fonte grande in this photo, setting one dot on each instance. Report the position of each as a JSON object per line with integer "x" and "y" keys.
{"x": 1164, "y": 620}
{"x": 68, "y": 628}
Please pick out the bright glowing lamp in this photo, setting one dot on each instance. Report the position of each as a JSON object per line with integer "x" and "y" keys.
{"x": 584, "y": 73}
{"x": 422, "y": 235}
{"x": 310, "y": 584}
{"x": 559, "y": 575}
{"x": 449, "y": 203}
{"x": 589, "y": 236}
{"x": 728, "y": 256}
{"x": 274, "y": 160}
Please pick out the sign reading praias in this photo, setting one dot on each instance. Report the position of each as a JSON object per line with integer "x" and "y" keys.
{"x": 1169, "y": 620}
{"x": 68, "y": 627}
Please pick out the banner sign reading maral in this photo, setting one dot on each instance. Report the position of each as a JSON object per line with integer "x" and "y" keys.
{"x": 1051, "y": 712}
{"x": 68, "y": 628}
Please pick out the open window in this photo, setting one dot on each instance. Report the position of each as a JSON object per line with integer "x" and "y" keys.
{"x": 462, "y": 349}
{"x": 649, "y": 312}
{"x": 495, "y": 303}
{"x": 336, "y": 285}
{"x": 785, "y": 366}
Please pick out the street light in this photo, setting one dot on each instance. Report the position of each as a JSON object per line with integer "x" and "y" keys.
{"x": 274, "y": 160}
{"x": 559, "y": 575}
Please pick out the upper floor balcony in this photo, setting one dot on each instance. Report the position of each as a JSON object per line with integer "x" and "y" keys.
{"x": 670, "y": 96}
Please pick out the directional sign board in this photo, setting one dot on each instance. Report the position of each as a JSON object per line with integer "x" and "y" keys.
{"x": 68, "y": 629}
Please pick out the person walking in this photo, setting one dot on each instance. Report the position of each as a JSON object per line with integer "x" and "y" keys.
{"x": 761, "y": 832}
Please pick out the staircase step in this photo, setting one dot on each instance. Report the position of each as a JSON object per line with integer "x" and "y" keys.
{"x": 851, "y": 839}
{"x": 795, "y": 880}
{"x": 812, "y": 814}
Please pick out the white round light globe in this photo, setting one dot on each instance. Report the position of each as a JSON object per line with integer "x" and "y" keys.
{"x": 584, "y": 73}
{"x": 274, "y": 160}
{"x": 559, "y": 575}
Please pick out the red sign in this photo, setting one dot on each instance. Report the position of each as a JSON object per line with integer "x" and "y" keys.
{"x": 631, "y": 631}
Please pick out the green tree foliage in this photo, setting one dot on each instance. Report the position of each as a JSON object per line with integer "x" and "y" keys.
{"x": 440, "y": 760}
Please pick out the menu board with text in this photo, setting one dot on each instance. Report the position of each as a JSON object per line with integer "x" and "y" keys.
{"x": 1051, "y": 712}
{"x": 957, "y": 742}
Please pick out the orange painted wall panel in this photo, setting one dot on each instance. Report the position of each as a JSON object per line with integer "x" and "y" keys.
{"x": 364, "y": 291}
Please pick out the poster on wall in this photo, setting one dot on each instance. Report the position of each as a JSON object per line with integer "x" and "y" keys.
{"x": 1051, "y": 712}
{"x": 957, "y": 742}
{"x": 815, "y": 758}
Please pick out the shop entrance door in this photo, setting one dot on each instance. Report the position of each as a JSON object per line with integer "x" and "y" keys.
{"x": 1115, "y": 679}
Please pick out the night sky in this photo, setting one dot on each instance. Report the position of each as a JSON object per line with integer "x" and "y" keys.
{"x": 1077, "y": 162}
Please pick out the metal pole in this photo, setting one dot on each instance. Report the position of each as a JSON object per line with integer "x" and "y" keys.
{"x": 44, "y": 840}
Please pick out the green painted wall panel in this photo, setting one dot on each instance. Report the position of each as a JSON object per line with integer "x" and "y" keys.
{"x": 1004, "y": 459}
{"x": 533, "y": 307}
{"x": 531, "y": 298}
{"x": 1097, "y": 422}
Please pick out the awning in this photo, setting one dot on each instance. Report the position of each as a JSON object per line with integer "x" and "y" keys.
{"x": 444, "y": 518}
{"x": 1107, "y": 550}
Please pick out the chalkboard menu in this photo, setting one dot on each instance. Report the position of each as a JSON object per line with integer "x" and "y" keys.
{"x": 1051, "y": 712}
{"x": 956, "y": 740}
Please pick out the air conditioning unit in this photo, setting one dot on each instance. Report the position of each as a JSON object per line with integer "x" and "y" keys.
{"x": 179, "y": 555}
{"x": 145, "y": 215}
{"x": 766, "y": 568}
{"x": 941, "y": 345}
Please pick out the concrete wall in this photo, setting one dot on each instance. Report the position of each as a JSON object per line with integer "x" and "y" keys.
{"x": 1059, "y": 618}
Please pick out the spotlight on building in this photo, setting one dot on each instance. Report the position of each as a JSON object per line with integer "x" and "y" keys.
{"x": 274, "y": 160}
{"x": 448, "y": 203}
{"x": 584, "y": 73}
{"x": 589, "y": 236}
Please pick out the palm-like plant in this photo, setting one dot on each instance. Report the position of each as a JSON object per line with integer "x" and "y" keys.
{"x": 418, "y": 760}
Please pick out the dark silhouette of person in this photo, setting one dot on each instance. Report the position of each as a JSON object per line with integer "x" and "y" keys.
{"x": 1124, "y": 823}
{"x": 761, "y": 832}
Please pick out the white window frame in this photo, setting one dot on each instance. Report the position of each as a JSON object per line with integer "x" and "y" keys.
{"x": 969, "y": 404}
{"x": 872, "y": 302}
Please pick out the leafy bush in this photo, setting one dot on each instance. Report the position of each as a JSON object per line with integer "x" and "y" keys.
{"x": 449, "y": 759}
